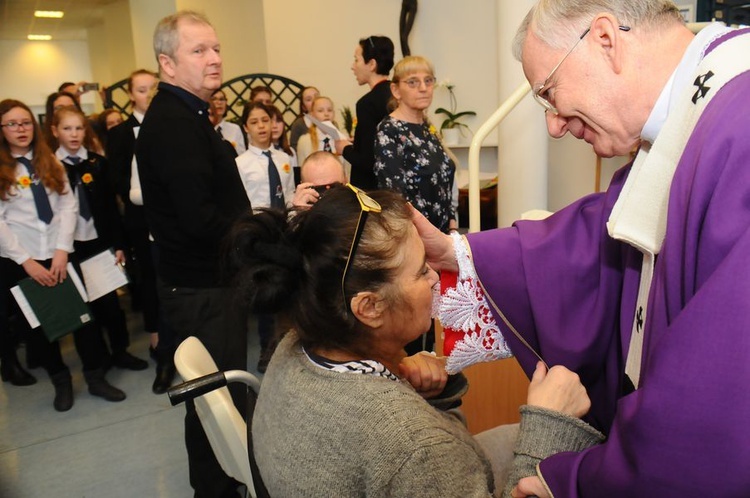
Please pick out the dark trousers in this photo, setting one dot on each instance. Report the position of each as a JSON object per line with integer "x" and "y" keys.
{"x": 146, "y": 278}
{"x": 210, "y": 315}
{"x": 107, "y": 311}
{"x": 88, "y": 341}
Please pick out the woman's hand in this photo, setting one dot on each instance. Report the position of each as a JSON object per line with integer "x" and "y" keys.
{"x": 340, "y": 144}
{"x": 425, "y": 372}
{"x": 120, "y": 257}
{"x": 437, "y": 245}
{"x": 530, "y": 486}
{"x": 59, "y": 265}
{"x": 38, "y": 273}
{"x": 559, "y": 389}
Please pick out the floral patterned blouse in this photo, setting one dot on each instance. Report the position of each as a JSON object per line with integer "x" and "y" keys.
{"x": 410, "y": 159}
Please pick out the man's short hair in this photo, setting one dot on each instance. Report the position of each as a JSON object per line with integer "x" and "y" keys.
{"x": 166, "y": 35}
{"x": 559, "y": 22}
{"x": 319, "y": 157}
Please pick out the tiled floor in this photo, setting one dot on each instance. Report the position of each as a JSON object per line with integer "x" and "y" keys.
{"x": 97, "y": 449}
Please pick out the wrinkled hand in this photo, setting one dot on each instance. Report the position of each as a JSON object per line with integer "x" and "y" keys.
{"x": 38, "y": 273}
{"x": 559, "y": 389}
{"x": 437, "y": 245}
{"x": 59, "y": 265}
{"x": 425, "y": 372}
{"x": 305, "y": 196}
{"x": 340, "y": 144}
{"x": 530, "y": 486}
{"x": 120, "y": 257}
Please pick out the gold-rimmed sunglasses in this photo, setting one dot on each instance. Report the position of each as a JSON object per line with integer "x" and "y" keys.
{"x": 367, "y": 205}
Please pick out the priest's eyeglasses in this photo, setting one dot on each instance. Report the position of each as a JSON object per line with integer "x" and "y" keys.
{"x": 367, "y": 205}
{"x": 541, "y": 90}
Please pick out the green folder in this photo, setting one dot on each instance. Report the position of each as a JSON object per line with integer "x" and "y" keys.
{"x": 59, "y": 309}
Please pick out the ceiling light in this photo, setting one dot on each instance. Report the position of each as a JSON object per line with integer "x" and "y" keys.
{"x": 39, "y": 37}
{"x": 53, "y": 14}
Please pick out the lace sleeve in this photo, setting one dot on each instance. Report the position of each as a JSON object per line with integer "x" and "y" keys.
{"x": 471, "y": 333}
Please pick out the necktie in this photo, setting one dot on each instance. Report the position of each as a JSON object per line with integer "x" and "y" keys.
{"x": 327, "y": 144}
{"x": 83, "y": 199}
{"x": 274, "y": 183}
{"x": 218, "y": 130}
{"x": 43, "y": 207}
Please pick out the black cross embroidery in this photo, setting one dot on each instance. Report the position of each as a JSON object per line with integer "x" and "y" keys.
{"x": 700, "y": 82}
{"x": 639, "y": 319}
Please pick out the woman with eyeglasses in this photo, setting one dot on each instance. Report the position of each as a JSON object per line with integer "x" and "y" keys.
{"x": 343, "y": 411}
{"x": 409, "y": 157}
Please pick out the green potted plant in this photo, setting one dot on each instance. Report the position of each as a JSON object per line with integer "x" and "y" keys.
{"x": 451, "y": 127}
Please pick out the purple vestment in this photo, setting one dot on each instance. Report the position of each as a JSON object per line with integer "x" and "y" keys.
{"x": 570, "y": 290}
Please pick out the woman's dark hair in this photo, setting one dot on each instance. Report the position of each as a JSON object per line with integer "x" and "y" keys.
{"x": 379, "y": 48}
{"x": 295, "y": 264}
{"x": 249, "y": 107}
{"x": 283, "y": 141}
{"x": 257, "y": 90}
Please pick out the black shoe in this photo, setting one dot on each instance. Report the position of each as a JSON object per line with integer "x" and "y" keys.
{"x": 98, "y": 386}
{"x": 165, "y": 372}
{"x": 128, "y": 361}
{"x": 63, "y": 390}
{"x": 11, "y": 371}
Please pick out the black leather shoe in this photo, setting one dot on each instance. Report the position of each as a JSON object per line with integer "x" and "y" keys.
{"x": 98, "y": 386}
{"x": 165, "y": 373}
{"x": 128, "y": 361}
{"x": 11, "y": 371}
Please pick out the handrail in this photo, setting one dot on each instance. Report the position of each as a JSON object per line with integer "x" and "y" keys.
{"x": 476, "y": 145}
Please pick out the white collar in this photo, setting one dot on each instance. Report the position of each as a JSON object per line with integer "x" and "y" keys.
{"x": 258, "y": 151}
{"x": 62, "y": 153}
{"x": 138, "y": 116}
{"x": 680, "y": 79}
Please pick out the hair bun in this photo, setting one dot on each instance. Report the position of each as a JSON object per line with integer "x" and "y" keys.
{"x": 279, "y": 253}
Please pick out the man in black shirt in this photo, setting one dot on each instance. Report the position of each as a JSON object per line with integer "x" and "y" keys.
{"x": 192, "y": 194}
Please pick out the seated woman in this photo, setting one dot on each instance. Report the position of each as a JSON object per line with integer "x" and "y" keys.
{"x": 342, "y": 411}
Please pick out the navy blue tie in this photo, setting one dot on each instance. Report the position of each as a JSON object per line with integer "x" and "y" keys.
{"x": 43, "y": 207}
{"x": 83, "y": 199}
{"x": 274, "y": 184}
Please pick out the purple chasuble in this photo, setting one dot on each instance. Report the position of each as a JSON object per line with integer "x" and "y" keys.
{"x": 570, "y": 290}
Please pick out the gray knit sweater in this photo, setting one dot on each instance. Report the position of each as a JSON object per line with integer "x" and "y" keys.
{"x": 321, "y": 433}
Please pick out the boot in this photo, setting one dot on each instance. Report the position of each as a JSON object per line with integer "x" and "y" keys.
{"x": 63, "y": 390}
{"x": 11, "y": 370}
{"x": 98, "y": 386}
{"x": 165, "y": 372}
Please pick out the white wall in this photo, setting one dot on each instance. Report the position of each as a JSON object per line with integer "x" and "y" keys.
{"x": 318, "y": 50}
{"x": 29, "y": 71}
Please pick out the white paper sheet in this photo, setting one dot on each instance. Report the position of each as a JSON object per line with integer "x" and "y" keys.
{"x": 102, "y": 275}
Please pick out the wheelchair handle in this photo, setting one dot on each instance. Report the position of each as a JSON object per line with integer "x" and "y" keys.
{"x": 196, "y": 387}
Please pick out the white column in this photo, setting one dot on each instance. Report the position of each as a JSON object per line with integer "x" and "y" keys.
{"x": 144, "y": 16}
{"x": 522, "y": 137}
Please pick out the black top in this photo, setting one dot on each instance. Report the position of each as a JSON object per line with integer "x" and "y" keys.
{"x": 120, "y": 150}
{"x": 371, "y": 109}
{"x": 191, "y": 187}
{"x": 101, "y": 199}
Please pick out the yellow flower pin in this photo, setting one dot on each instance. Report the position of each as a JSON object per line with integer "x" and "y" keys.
{"x": 24, "y": 182}
{"x": 86, "y": 178}
{"x": 286, "y": 168}
{"x": 433, "y": 130}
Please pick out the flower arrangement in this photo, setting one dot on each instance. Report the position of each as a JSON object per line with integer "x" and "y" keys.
{"x": 452, "y": 116}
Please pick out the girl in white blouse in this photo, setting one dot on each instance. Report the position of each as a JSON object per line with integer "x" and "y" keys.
{"x": 38, "y": 213}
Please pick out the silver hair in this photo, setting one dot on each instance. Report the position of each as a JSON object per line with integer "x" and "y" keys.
{"x": 167, "y": 36}
{"x": 559, "y": 22}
